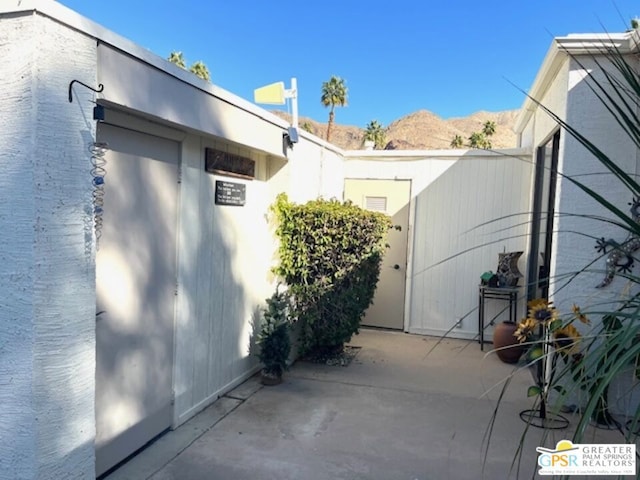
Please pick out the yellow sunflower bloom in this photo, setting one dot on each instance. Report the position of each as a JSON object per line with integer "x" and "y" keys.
{"x": 542, "y": 311}
{"x": 537, "y": 302}
{"x": 566, "y": 339}
{"x": 525, "y": 329}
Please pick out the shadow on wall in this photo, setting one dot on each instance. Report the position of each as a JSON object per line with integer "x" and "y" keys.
{"x": 58, "y": 398}
{"x": 222, "y": 270}
{"x": 475, "y": 210}
{"x": 137, "y": 271}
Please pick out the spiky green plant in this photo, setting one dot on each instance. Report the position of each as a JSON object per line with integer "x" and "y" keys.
{"x": 612, "y": 346}
{"x": 178, "y": 59}
{"x": 375, "y": 132}
{"x": 200, "y": 70}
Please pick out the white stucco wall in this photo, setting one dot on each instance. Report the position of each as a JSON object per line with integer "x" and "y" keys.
{"x": 47, "y": 320}
{"x": 540, "y": 125}
{"x": 569, "y": 96}
{"x": 47, "y": 323}
{"x": 421, "y": 169}
{"x": 225, "y": 254}
{"x": 312, "y": 168}
{"x": 315, "y": 170}
{"x": 136, "y": 85}
{"x": 453, "y": 194}
{"x": 574, "y": 241}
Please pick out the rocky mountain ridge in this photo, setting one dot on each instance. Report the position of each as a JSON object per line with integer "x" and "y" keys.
{"x": 420, "y": 130}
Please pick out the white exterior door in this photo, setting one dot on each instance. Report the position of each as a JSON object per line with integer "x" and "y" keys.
{"x": 135, "y": 282}
{"x": 391, "y": 197}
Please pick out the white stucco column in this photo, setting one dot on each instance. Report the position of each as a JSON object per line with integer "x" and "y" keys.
{"x": 47, "y": 269}
{"x": 576, "y": 211}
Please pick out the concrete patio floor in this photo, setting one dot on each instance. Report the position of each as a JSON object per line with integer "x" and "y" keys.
{"x": 401, "y": 410}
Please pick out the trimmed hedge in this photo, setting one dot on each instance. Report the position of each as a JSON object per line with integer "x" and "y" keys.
{"x": 330, "y": 254}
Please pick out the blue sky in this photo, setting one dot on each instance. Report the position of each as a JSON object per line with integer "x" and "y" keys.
{"x": 451, "y": 57}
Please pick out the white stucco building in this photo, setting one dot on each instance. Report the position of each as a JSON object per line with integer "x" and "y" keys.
{"x": 564, "y": 86}
{"x": 181, "y": 273}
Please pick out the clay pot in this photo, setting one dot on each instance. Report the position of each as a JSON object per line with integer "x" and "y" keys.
{"x": 503, "y": 337}
{"x": 270, "y": 378}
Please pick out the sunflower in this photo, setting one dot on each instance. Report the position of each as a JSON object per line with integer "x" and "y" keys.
{"x": 542, "y": 311}
{"x": 566, "y": 339}
{"x": 525, "y": 329}
{"x": 579, "y": 315}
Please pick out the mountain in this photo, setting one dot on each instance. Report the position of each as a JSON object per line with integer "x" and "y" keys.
{"x": 421, "y": 130}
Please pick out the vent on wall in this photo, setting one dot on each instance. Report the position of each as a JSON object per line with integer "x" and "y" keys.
{"x": 225, "y": 163}
{"x": 377, "y": 204}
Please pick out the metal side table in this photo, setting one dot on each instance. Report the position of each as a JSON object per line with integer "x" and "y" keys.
{"x": 508, "y": 294}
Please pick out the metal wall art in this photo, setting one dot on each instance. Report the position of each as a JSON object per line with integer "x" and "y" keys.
{"x": 621, "y": 254}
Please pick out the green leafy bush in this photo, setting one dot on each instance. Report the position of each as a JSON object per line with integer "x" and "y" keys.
{"x": 330, "y": 254}
{"x": 273, "y": 337}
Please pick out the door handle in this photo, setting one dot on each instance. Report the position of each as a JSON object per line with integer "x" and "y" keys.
{"x": 396, "y": 267}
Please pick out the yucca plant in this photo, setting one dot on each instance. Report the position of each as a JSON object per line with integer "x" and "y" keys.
{"x": 612, "y": 345}
{"x": 616, "y": 84}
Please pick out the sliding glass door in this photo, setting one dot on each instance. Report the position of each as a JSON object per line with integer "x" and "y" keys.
{"x": 542, "y": 219}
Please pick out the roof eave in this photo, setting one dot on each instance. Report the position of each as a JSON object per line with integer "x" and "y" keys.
{"x": 72, "y": 19}
{"x": 563, "y": 47}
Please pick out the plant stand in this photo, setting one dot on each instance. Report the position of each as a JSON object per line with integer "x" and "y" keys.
{"x": 601, "y": 417}
{"x": 540, "y": 417}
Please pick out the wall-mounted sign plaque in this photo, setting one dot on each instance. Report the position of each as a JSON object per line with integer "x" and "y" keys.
{"x": 230, "y": 193}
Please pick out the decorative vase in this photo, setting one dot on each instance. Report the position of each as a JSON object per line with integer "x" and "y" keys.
{"x": 507, "y": 347}
{"x": 508, "y": 272}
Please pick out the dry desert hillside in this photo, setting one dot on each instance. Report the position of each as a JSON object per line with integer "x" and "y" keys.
{"x": 421, "y": 130}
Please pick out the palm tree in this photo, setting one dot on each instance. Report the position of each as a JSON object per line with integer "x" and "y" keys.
{"x": 376, "y": 133}
{"x": 457, "y": 142}
{"x": 334, "y": 93}
{"x": 489, "y": 128}
{"x": 307, "y": 127}
{"x": 477, "y": 140}
{"x": 201, "y": 70}
{"x": 178, "y": 59}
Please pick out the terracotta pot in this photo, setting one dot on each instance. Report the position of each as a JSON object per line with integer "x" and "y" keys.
{"x": 270, "y": 379}
{"x": 503, "y": 337}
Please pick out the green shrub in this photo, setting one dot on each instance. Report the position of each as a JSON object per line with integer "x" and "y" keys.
{"x": 273, "y": 337}
{"x": 329, "y": 256}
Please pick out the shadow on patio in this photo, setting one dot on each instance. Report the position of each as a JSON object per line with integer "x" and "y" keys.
{"x": 398, "y": 411}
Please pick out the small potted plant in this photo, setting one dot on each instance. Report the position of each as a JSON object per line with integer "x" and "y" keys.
{"x": 273, "y": 338}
